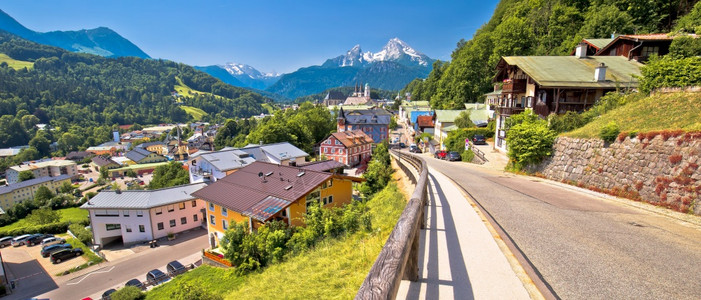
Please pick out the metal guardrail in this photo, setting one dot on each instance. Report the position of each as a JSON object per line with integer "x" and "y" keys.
{"x": 477, "y": 152}
{"x": 399, "y": 258}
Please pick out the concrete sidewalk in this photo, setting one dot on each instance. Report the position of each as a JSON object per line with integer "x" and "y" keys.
{"x": 459, "y": 257}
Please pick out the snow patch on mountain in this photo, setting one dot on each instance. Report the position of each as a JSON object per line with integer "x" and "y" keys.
{"x": 246, "y": 70}
{"x": 395, "y": 50}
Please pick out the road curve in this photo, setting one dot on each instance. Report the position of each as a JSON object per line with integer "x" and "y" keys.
{"x": 583, "y": 246}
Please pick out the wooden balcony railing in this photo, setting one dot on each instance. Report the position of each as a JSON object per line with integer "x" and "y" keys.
{"x": 515, "y": 86}
{"x": 399, "y": 258}
{"x": 510, "y": 110}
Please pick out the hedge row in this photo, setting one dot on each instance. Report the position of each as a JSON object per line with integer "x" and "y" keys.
{"x": 59, "y": 227}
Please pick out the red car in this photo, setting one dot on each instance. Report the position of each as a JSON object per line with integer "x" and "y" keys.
{"x": 440, "y": 154}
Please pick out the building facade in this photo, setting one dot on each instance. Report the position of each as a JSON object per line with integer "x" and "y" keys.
{"x": 348, "y": 147}
{"x": 12, "y": 194}
{"x": 49, "y": 168}
{"x": 143, "y": 156}
{"x": 373, "y": 122}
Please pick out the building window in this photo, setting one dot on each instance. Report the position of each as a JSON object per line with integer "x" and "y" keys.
{"x": 224, "y": 211}
{"x": 126, "y": 214}
{"x": 211, "y": 206}
{"x": 172, "y": 223}
{"x": 142, "y": 228}
{"x": 128, "y": 228}
{"x": 649, "y": 50}
{"x": 181, "y": 205}
{"x": 160, "y": 225}
{"x": 171, "y": 208}
{"x": 183, "y": 221}
{"x": 330, "y": 199}
{"x": 194, "y": 218}
{"x": 324, "y": 200}
{"x": 224, "y": 224}
{"x": 212, "y": 220}
{"x": 106, "y": 213}
{"x": 194, "y": 203}
{"x": 159, "y": 210}
{"x": 110, "y": 227}
{"x": 139, "y": 213}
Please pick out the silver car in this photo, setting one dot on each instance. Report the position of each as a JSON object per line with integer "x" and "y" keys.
{"x": 6, "y": 241}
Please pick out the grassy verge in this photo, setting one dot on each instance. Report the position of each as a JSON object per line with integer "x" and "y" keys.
{"x": 15, "y": 64}
{"x": 195, "y": 112}
{"x": 91, "y": 257}
{"x": 73, "y": 215}
{"x": 335, "y": 268}
{"x": 653, "y": 113}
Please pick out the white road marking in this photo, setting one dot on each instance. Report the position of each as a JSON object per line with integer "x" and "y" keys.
{"x": 86, "y": 276}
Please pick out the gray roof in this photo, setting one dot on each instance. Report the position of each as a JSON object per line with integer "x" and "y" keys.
{"x": 368, "y": 116}
{"x": 142, "y": 199}
{"x": 9, "y": 188}
{"x": 281, "y": 151}
{"x": 228, "y": 160}
{"x": 137, "y": 154}
{"x": 149, "y": 144}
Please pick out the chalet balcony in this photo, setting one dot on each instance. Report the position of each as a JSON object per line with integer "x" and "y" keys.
{"x": 507, "y": 111}
{"x": 514, "y": 86}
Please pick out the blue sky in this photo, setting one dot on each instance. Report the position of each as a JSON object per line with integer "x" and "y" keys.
{"x": 277, "y": 36}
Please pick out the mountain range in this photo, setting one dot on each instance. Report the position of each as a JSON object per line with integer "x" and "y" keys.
{"x": 241, "y": 75}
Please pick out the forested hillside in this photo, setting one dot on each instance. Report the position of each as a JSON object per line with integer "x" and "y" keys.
{"x": 84, "y": 95}
{"x": 543, "y": 27}
{"x": 347, "y": 91}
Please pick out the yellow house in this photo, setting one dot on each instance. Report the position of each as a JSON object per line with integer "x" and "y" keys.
{"x": 25, "y": 190}
{"x": 262, "y": 192}
{"x": 143, "y": 156}
{"x": 156, "y": 147}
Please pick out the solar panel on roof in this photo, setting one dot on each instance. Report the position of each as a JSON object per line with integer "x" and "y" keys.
{"x": 287, "y": 188}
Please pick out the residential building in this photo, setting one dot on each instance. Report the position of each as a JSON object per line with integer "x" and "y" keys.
{"x": 480, "y": 114}
{"x": 12, "y": 151}
{"x": 157, "y": 147}
{"x": 442, "y": 121}
{"x": 52, "y": 168}
{"x": 99, "y": 150}
{"x": 213, "y": 166}
{"x": 78, "y": 155}
{"x": 424, "y": 124}
{"x": 100, "y": 161}
{"x": 328, "y": 165}
{"x": 347, "y": 147}
{"x": 143, "y": 156}
{"x": 637, "y": 47}
{"x": 261, "y": 192}
{"x": 278, "y": 153}
{"x": 593, "y": 46}
{"x": 409, "y": 106}
{"x": 558, "y": 84}
{"x": 374, "y": 122}
{"x": 23, "y": 191}
{"x": 135, "y": 216}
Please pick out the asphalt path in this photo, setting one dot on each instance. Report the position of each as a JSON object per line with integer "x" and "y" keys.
{"x": 115, "y": 274}
{"x": 582, "y": 246}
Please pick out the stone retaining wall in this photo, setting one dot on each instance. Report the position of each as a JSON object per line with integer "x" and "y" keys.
{"x": 657, "y": 167}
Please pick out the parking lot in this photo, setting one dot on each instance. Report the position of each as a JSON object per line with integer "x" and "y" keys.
{"x": 30, "y": 271}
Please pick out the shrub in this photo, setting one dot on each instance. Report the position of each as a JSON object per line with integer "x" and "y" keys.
{"x": 82, "y": 234}
{"x": 567, "y": 122}
{"x": 670, "y": 71}
{"x": 467, "y": 155}
{"x": 187, "y": 291}
{"x": 58, "y": 227}
{"x": 128, "y": 293}
{"x": 529, "y": 142}
{"x": 609, "y": 132}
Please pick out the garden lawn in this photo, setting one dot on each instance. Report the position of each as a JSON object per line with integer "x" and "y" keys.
{"x": 73, "y": 215}
{"x": 657, "y": 112}
{"x": 333, "y": 269}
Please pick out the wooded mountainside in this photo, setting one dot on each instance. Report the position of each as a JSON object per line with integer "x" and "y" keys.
{"x": 78, "y": 93}
{"x": 543, "y": 27}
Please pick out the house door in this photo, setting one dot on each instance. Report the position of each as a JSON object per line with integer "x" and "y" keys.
{"x": 212, "y": 241}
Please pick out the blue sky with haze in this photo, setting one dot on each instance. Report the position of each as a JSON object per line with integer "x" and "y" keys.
{"x": 277, "y": 36}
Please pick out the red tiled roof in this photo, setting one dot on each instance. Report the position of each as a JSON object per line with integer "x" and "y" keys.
{"x": 425, "y": 121}
{"x": 244, "y": 189}
{"x": 352, "y": 137}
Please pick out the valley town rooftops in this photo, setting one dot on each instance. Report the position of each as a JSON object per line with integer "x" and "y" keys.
{"x": 142, "y": 199}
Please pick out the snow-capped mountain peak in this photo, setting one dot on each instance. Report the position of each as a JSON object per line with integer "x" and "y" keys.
{"x": 395, "y": 50}
{"x": 246, "y": 70}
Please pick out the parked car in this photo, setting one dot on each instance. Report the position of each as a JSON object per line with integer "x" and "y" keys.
{"x": 479, "y": 139}
{"x": 155, "y": 277}
{"x": 175, "y": 268}
{"x": 52, "y": 241}
{"x": 402, "y": 145}
{"x": 48, "y": 250}
{"x": 59, "y": 256}
{"x": 6, "y": 241}
{"x": 453, "y": 156}
{"x": 414, "y": 149}
{"x": 21, "y": 240}
{"x": 136, "y": 283}
{"x": 107, "y": 294}
{"x": 440, "y": 154}
{"x": 37, "y": 239}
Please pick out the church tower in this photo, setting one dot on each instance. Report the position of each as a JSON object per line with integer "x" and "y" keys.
{"x": 341, "y": 121}
{"x": 367, "y": 91}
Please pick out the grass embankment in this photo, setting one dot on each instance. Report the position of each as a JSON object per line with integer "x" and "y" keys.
{"x": 89, "y": 255}
{"x": 195, "y": 112}
{"x": 15, "y": 64}
{"x": 652, "y": 113}
{"x": 269, "y": 108}
{"x": 73, "y": 215}
{"x": 335, "y": 268}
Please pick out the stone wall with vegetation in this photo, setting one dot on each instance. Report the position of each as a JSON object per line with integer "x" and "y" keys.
{"x": 661, "y": 168}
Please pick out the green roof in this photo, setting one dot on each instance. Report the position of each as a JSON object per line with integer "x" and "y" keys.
{"x": 570, "y": 71}
{"x": 417, "y": 103}
{"x": 498, "y": 92}
{"x": 599, "y": 43}
{"x": 447, "y": 116}
{"x": 450, "y": 128}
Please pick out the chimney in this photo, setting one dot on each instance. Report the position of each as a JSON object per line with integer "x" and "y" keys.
{"x": 600, "y": 73}
{"x": 581, "y": 51}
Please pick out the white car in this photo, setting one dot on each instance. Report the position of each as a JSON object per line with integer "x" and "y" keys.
{"x": 21, "y": 240}
{"x": 52, "y": 241}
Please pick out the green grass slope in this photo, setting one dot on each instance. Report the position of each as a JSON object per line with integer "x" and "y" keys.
{"x": 334, "y": 269}
{"x": 15, "y": 64}
{"x": 653, "y": 113}
{"x": 195, "y": 112}
{"x": 73, "y": 214}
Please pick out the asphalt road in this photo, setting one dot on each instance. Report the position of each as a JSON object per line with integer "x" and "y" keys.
{"x": 583, "y": 246}
{"x": 116, "y": 273}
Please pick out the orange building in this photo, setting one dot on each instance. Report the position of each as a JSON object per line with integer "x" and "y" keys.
{"x": 262, "y": 192}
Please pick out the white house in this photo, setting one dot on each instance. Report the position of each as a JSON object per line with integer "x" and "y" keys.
{"x": 279, "y": 153}
{"x": 212, "y": 166}
{"x": 142, "y": 215}
{"x": 52, "y": 168}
